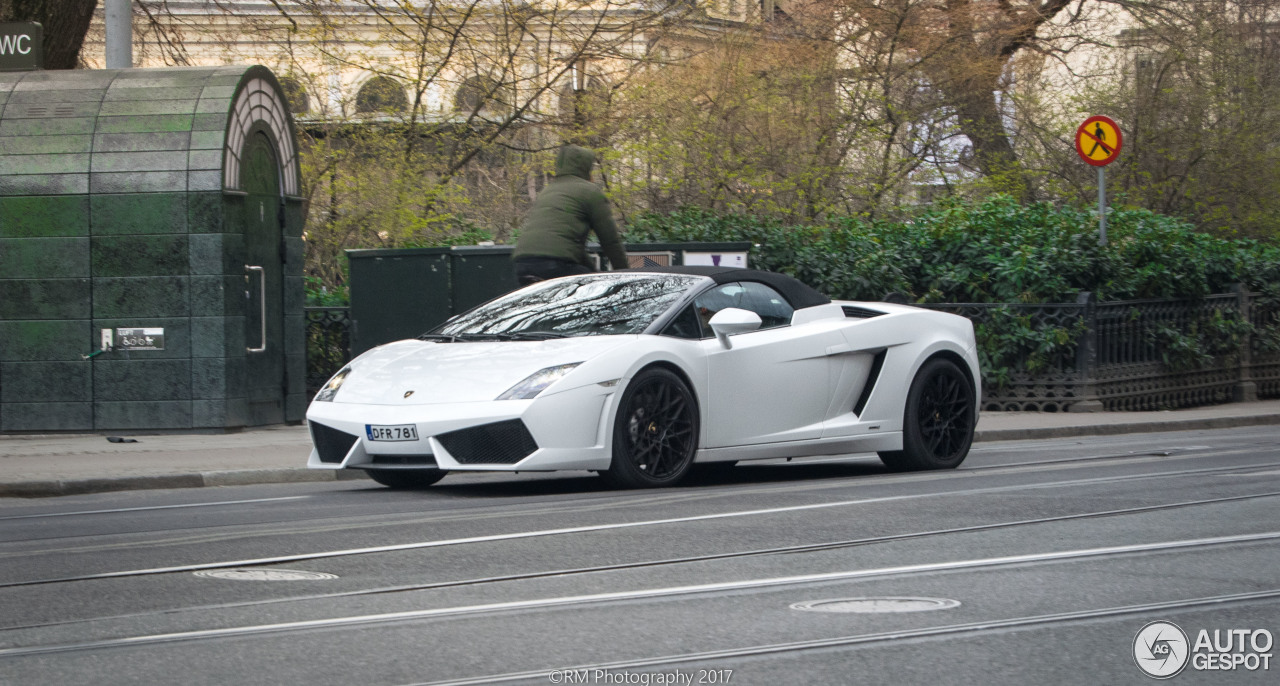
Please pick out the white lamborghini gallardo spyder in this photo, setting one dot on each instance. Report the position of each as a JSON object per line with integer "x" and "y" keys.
{"x": 640, "y": 374}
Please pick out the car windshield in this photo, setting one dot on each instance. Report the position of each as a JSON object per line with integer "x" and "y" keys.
{"x": 589, "y": 305}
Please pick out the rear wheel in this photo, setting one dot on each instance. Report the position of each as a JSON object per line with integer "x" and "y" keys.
{"x": 406, "y": 478}
{"x": 938, "y": 421}
{"x": 656, "y": 431}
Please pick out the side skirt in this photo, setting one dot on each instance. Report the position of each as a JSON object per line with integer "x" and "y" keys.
{"x": 839, "y": 445}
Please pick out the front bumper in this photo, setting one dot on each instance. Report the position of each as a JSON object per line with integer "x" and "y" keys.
{"x": 565, "y": 430}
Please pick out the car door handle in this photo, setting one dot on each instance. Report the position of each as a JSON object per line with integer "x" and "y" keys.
{"x": 839, "y": 348}
{"x": 262, "y": 295}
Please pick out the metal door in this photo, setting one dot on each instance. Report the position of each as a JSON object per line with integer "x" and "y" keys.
{"x": 264, "y": 316}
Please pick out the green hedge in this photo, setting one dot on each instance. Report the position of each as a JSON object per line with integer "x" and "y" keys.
{"x": 995, "y": 250}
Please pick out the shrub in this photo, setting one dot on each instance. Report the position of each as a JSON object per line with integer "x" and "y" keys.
{"x": 995, "y": 250}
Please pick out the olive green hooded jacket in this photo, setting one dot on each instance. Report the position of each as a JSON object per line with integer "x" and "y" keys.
{"x": 566, "y": 211}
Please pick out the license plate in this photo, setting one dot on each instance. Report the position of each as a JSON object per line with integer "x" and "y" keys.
{"x": 399, "y": 432}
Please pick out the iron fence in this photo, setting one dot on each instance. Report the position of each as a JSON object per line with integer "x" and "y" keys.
{"x": 328, "y": 343}
{"x": 1054, "y": 357}
{"x": 1029, "y": 352}
{"x": 1126, "y": 355}
{"x": 1264, "y": 346}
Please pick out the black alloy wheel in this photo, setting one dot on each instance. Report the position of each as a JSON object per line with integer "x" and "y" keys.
{"x": 655, "y": 434}
{"x": 939, "y": 419}
{"x": 406, "y": 478}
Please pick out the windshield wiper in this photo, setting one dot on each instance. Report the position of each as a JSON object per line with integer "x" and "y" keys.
{"x": 534, "y": 335}
{"x": 471, "y": 337}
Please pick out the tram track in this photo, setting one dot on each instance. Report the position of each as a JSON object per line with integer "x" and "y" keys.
{"x": 421, "y": 545}
{"x": 872, "y": 639}
{"x": 634, "y": 595}
{"x": 657, "y": 563}
{"x": 701, "y": 495}
{"x": 151, "y": 508}
{"x": 706, "y": 575}
{"x": 575, "y": 571}
{"x": 439, "y": 543}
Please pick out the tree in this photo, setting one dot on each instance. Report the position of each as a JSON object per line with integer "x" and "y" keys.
{"x": 1205, "y": 81}
{"x": 449, "y": 108}
{"x": 825, "y": 108}
{"x": 748, "y": 124}
{"x": 1195, "y": 88}
{"x": 964, "y": 49}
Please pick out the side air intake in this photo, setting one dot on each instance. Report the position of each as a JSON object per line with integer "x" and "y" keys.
{"x": 872, "y": 377}
{"x": 333, "y": 445}
{"x": 497, "y": 443}
{"x": 855, "y": 312}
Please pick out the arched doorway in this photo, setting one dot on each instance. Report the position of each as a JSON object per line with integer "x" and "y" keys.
{"x": 264, "y": 303}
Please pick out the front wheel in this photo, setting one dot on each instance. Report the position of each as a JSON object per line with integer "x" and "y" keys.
{"x": 938, "y": 421}
{"x": 655, "y": 434}
{"x": 406, "y": 478}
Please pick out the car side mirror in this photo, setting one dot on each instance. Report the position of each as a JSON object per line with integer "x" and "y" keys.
{"x": 733, "y": 320}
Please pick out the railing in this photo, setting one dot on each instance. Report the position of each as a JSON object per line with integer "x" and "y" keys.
{"x": 1127, "y": 355}
{"x": 328, "y": 343}
{"x": 1264, "y": 347}
{"x": 1029, "y": 352}
{"x": 1053, "y": 357}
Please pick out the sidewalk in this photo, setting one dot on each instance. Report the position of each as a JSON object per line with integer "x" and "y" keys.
{"x": 52, "y": 465}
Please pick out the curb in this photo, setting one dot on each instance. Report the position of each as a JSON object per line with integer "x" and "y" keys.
{"x": 241, "y": 477}
{"x": 248, "y": 477}
{"x": 992, "y": 435}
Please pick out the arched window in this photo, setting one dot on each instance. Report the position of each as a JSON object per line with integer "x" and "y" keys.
{"x": 381, "y": 94}
{"x": 590, "y": 99}
{"x": 479, "y": 94}
{"x": 296, "y": 94}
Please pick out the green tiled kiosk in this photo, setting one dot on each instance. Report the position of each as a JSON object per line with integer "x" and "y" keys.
{"x": 144, "y": 199}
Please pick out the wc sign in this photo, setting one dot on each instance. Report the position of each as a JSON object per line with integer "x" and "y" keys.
{"x": 21, "y": 46}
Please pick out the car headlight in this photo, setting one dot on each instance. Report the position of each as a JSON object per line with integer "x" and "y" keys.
{"x": 536, "y": 382}
{"x": 331, "y": 389}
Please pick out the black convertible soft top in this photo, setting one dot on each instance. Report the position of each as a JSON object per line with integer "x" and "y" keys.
{"x": 798, "y": 295}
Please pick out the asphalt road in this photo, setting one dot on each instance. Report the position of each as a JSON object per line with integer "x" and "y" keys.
{"x": 1041, "y": 560}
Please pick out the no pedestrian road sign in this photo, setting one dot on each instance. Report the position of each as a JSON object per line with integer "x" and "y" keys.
{"x": 1098, "y": 141}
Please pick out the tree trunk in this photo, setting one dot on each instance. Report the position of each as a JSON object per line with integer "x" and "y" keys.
{"x": 993, "y": 153}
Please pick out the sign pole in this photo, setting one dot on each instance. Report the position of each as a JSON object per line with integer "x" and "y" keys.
{"x": 1098, "y": 141}
{"x": 1102, "y": 205}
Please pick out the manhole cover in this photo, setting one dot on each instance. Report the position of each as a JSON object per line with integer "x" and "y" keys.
{"x": 265, "y": 575}
{"x": 876, "y": 605}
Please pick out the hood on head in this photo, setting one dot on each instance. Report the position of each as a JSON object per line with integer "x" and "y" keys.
{"x": 575, "y": 160}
